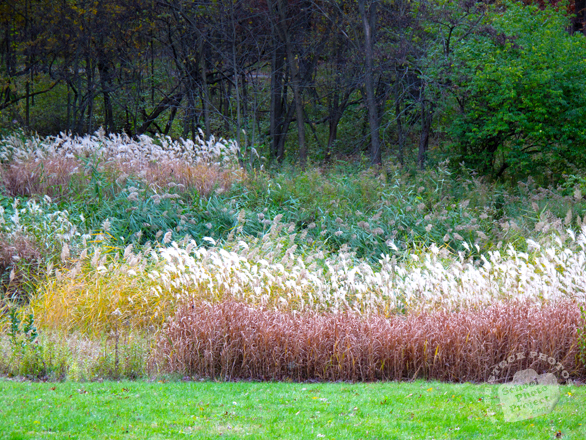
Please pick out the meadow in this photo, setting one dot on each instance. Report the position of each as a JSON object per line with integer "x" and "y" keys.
{"x": 153, "y": 258}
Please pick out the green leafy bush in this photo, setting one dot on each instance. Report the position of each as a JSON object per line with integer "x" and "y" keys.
{"x": 518, "y": 88}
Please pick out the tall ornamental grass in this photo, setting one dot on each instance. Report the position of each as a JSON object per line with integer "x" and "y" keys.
{"x": 107, "y": 236}
{"x": 63, "y": 166}
{"x": 232, "y": 340}
{"x": 143, "y": 289}
{"x": 365, "y": 209}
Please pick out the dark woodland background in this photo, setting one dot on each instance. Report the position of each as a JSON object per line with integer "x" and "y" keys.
{"x": 495, "y": 87}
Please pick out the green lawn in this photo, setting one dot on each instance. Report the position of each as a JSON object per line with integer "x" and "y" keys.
{"x": 417, "y": 410}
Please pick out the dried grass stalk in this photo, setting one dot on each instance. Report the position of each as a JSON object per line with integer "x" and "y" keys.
{"x": 61, "y": 177}
{"x": 20, "y": 257}
{"x": 232, "y": 340}
{"x": 50, "y": 177}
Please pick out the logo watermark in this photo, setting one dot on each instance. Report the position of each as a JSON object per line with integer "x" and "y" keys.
{"x": 528, "y": 394}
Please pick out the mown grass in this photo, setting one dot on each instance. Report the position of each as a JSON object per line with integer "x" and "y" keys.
{"x": 156, "y": 410}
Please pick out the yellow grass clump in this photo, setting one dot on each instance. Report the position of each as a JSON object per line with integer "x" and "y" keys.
{"x": 99, "y": 296}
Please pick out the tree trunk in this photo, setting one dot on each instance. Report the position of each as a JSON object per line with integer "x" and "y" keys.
{"x": 368, "y": 20}
{"x": 172, "y": 101}
{"x": 205, "y": 93}
{"x": 284, "y": 128}
{"x": 300, "y": 123}
{"x": 170, "y": 121}
{"x": 578, "y": 21}
{"x": 426, "y": 115}
{"x": 28, "y": 113}
{"x": 90, "y": 92}
{"x": 295, "y": 82}
{"x": 400, "y": 129}
{"x": 400, "y": 134}
{"x": 189, "y": 121}
{"x": 336, "y": 110}
{"x": 105, "y": 82}
{"x": 68, "y": 108}
{"x": 238, "y": 104}
{"x": 276, "y": 112}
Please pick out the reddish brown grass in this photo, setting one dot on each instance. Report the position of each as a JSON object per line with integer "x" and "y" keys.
{"x": 50, "y": 177}
{"x": 235, "y": 341}
{"x": 54, "y": 177}
{"x": 204, "y": 178}
{"x": 21, "y": 254}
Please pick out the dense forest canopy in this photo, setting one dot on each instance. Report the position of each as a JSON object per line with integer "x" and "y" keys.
{"x": 496, "y": 87}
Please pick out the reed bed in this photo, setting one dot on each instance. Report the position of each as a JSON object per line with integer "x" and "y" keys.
{"x": 62, "y": 166}
{"x": 53, "y": 177}
{"x": 231, "y": 340}
{"x": 143, "y": 289}
{"x": 316, "y": 276}
{"x": 121, "y": 147}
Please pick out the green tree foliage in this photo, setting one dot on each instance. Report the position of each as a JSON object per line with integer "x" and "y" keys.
{"x": 518, "y": 85}
{"x": 499, "y": 88}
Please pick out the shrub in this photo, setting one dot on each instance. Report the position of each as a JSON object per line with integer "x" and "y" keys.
{"x": 60, "y": 355}
{"x": 517, "y": 82}
{"x": 122, "y": 356}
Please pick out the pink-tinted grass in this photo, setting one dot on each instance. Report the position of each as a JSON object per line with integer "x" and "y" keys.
{"x": 20, "y": 257}
{"x": 61, "y": 177}
{"x": 50, "y": 177}
{"x": 204, "y": 178}
{"x": 235, "y": 341}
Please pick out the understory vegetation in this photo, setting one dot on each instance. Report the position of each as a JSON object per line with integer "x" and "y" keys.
{"x": 129, "y": 258}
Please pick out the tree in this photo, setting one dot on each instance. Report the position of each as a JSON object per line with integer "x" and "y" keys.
{"x": 518, "y": 87}
{"x": 367, "y": 10}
